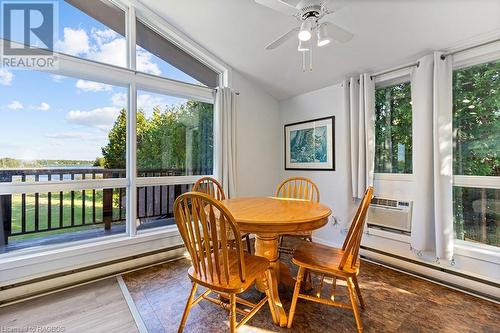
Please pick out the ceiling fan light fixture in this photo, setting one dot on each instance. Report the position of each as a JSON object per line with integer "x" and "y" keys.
{"x": 305, "y": 30}
{"x": 323, "y": 36}
{"x": 304, "y": 46}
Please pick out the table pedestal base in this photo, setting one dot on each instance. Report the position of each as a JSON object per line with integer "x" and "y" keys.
{"x": 267, "y": 246}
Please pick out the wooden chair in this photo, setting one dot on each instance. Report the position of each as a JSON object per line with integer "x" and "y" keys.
{"x": 336, "y": 263}
{"x": 297, "y": 188}
{"x": 217, "y": 264}
{"x": 214, "y": 189}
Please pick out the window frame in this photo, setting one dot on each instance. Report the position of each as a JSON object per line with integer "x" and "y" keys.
{"x": 469, "y": 58}
{"x": 388, "y": 79}
{"x": 133, "y": 80}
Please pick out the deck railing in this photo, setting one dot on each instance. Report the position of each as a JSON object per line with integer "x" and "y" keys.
{"x": 22, "y": 214}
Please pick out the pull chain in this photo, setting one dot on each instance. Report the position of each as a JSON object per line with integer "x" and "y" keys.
{"x": 311, "y": 59}
{"x": 304, "y": 61}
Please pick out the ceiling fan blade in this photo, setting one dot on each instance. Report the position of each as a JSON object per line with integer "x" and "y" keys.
{"x": 279, "y": 5}
{"x": 280, "y": 40}
{"x": 335, "y": 5}
{"x": 339, "y": 34}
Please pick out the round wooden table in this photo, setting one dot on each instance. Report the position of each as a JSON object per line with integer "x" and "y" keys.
{"x": 269, "y": 217}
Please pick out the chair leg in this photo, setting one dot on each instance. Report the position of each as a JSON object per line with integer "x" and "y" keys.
{"x": 296, "y": 291}
{"x": 249, "y": 246}
{"x": 232, "y": 314}
{"x": 358, "y": 292}
{"x": 334, "y": 288}
{"x": 187, "y": 308}
{"x": 270, "y": 297}
{"x": 354, "y": 303}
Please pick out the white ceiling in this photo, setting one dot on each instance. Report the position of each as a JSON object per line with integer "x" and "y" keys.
{"x": 388, "y": 33}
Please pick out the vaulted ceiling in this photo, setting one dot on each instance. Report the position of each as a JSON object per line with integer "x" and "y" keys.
{"x": 387, "y": 33}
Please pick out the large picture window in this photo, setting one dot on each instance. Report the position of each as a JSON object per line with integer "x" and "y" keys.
{"x": 476, "y": 147}
{"x": 65, "y": 134}
{"x": 393, "y": 129}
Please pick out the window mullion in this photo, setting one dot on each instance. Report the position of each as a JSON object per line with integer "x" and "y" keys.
{"x": 131, "y": 161}
{"x": 131, "y": 150}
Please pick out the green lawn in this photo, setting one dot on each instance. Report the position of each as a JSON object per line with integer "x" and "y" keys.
{"x": 79, "y": 213}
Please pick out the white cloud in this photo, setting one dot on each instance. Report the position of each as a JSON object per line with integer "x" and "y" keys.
{"x": 103, "y": 36}
{"x": 69, "y": 135}
{"x": 76, "y": 42}
{"x": 148, "y": 102}
{"x": 146, "y": 64}
{"x": 119, "y": 99}
{"x": 43, "y": 106}
{"x": 101, "y": 118}
{"x": 105, "y": 46}
{"x": 92, "y": 86}
{"x": 6, "y": 77}
{"x": 57, "y": 78}
{"x": 110, "y": 52}
{"x": 15, "y": 105}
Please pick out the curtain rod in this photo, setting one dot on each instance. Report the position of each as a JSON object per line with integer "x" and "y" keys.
{"x": 444, "y": 55}
{"x": 415, "y": 64}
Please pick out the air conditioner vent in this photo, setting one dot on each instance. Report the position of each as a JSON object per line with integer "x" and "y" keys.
{"x": 390, "y": 213}
{"x": 384, "y": 202}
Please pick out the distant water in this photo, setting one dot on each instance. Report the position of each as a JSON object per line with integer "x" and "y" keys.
{"x": 57, "y": 177}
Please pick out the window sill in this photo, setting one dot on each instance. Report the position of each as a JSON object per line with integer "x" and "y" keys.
{"x": 90, "y": 251}
{"x": 477, "y": 251}
{"x": 402, "y": 177}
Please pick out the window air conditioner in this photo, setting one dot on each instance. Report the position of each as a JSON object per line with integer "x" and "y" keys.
{"x": 392, "y": 214}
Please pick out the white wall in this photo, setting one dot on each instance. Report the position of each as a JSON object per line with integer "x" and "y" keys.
{"x": 259, "y": 134}
{"x": 333, "y": 185}
{"x": 335, "y": 192}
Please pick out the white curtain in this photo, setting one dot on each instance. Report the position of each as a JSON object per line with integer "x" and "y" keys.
{"x": 225, "y": 104}
{"x": 432, "y": 227}
{"x": 422, "y": 229}
{"x": 443, "y": 155}
{"x": 362, "y": 130}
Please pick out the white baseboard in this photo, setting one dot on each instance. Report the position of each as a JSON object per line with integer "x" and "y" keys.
{"x": 435, "y": 275}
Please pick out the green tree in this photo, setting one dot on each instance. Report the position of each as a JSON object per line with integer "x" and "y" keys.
{"x": 114, "y": 153}
{"x": 476, "y": 128}
{"x": 179, "y": 137}
{"x": 393, "y": 128}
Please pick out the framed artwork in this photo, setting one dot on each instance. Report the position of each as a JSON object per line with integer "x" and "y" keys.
{"x": 310, "y": 145}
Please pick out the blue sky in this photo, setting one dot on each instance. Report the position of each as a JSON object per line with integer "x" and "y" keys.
{"x": 46, "y": 116}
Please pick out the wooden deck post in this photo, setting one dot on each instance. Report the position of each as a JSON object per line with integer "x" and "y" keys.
{"x": 107, "y": 208}
{"x": 5, "y": 218}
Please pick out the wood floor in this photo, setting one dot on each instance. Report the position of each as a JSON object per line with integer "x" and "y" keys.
{"x": 97, "y": 307}
{"x": 395, "y": 302}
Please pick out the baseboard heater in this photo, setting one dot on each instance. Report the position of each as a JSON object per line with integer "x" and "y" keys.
{"x": 441, "y": 269}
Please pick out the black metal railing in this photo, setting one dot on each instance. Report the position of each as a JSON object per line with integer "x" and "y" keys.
{"x": 29, "y": 213}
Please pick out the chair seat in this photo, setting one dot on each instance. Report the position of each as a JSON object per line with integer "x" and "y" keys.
{"x": 322, "y": 258}
{"x": 255, "y": 267}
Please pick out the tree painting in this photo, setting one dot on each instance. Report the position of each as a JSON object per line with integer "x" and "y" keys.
{"x": 309, "y": 145}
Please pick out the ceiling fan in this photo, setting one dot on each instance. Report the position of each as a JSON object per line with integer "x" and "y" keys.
{"x": 309, "y": 13}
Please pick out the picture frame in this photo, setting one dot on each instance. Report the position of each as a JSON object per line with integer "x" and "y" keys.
{"x": 310, "y": 145}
